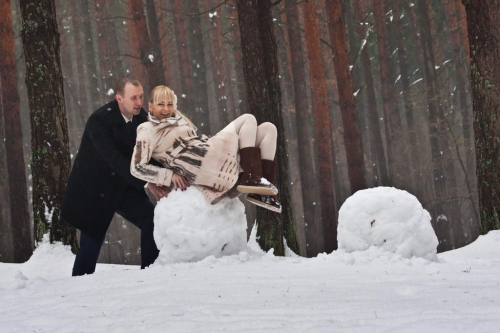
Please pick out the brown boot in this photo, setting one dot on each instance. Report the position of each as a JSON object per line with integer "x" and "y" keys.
{"x": 266, "y": 201}
{"x": 251, "y": 178}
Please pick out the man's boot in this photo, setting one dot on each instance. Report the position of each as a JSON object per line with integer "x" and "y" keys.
{"x": 251, "y": 180}
{"x": 266, "y": 201}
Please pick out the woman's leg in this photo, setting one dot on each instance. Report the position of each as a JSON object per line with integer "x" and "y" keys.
{"x": 266, "y": 140}
{"x": 250, "y": 157}
{"x": 246, "y": 128}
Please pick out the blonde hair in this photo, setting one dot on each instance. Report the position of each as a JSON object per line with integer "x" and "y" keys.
{"x": 164, "y": 94}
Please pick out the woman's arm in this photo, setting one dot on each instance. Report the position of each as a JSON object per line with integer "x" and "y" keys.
{"x": 139, "y": 166}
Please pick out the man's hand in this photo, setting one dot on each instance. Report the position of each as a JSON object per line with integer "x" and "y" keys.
{"x": 179, "y": 182}
{"x": 158, "y": 191}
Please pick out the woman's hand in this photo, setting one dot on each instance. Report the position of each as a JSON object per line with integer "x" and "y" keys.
{"x": 179, "y": 182}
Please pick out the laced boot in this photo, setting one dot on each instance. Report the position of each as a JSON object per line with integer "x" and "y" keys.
{"x": 266, "y": 201}
{"x": 250, "y": 180}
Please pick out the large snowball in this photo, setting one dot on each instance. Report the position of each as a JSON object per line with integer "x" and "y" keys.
{"x": 189, "y": 228}
{"x": 387, "y": 218}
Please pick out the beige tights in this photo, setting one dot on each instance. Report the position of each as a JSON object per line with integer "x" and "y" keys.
{"x": 250, "y": 135}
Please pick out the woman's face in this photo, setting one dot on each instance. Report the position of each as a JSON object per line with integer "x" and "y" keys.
{"x": 162, "y": 109}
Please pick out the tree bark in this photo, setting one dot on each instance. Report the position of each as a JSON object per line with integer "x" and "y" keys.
{"x": 165, "y": 27}
{"x": 91, "y": 65}
{"x": 154, "y": 33}
{"x": 48, "y": 119}
{"x": 197, "y": 52}
{"x": 238, "y": 67}
{"x": 305, "y": 137}
{"x": 446, "y": 216}
{"x": 352, "y": 135}
{"x": 16, "y": 171}
{"x": 484, "y": 33}
{"x": 322, "y": 127}
{"x": 260, "y": 66}
{"x": 150, "y": 62}
{"x": 186, "y": 98}
{"x": 376, "y": 141}
{"x": 395, "y": 135}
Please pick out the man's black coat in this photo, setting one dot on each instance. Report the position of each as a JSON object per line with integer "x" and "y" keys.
{"x": 101, "y": 171}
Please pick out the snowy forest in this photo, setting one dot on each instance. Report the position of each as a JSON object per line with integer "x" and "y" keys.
{"x": 364, "y": 93}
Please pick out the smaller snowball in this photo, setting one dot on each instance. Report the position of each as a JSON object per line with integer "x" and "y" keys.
{"x": 389, "y": 219}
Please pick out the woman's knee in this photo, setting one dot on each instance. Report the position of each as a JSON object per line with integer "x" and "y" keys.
{"x": 248, "y": 118}
{"x": 268, "y": 129}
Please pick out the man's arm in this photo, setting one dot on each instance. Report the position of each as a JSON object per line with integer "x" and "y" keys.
{"x": 105, "y": 144}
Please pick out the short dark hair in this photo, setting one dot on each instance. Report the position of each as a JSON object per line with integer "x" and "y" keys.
{"x": 120, "y": 85}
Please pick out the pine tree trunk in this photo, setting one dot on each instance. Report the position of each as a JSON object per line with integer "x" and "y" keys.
{"x": 405, "y": 89}
{"x": 305, "y": 138}
{"x": 154, "y": 34}
{"x": 322, "y": 127}
{"x": 376, "y": 141}
{"x": 218, "y": 67}
{"x": 290, "y": 122}
{"x": 352, "y": 135}
{"x": 238, "y": 66}
{"x": 92, "y": 74}
{"x": 84, "y": 110}
{"x": 186, "y": 97}
{"x": 48, "y": 119}
{"x": 447, "y": 212}
{"x": 197, "y": 51}
{"x": 13, "y": 140}
{"x": 260, "y": 66}
{"x": 482, "y": 22}
{"x": 395, "y": 135}
{"x": 147, "y": 57}
{"x": 164, "y": 27}
{"x": 104, "y": 54}
{"x": 7, "y": 248}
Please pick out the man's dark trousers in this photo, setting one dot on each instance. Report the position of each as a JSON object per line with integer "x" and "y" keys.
{"x": 134, "y": 207}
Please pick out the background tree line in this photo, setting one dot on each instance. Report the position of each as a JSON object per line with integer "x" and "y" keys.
{"x": 371, "y": 93}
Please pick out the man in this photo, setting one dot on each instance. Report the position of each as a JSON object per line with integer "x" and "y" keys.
{"x": 100, "y": 183}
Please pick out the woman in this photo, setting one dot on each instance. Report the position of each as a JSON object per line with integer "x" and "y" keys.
{"x": 213, "y": 164}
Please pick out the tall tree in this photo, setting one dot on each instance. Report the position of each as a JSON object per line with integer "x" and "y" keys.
{"x": 18, "y": 198}
{"x": 102, "y": 24}
{"x": 484, "y": 33}
{"x": 381, "y": 174}
{"x": 91, "y": 65}
{"x": 164, "y": 42}
{"x": 405, "y": 86}
{"x": 395, "y": 135}
{"x": 154, "y": 33}
{"x": 305, "y": 138}
{"x": 352, "y": 136}
{"x": 218, "y": 67}
{"x": 6, "y": 248}
{"x": 49, "y": 130}
{"x": 238, "y": 67}
{"x": 322, "y": 126}
{"x": 195, "y": 37}
{"x": 446, "y": 212}
{"x": 461, "y": 79}
{"x": 151, "y": 63}
{"x": 186, "y": 100}
{"x": 260, "y": 66}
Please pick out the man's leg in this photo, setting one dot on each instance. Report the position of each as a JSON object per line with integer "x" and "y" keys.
{"x": 136, "y": 208}
{"x": 86, "y": 257}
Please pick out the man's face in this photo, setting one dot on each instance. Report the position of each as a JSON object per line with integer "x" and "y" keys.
{"x": 131, "y": 102}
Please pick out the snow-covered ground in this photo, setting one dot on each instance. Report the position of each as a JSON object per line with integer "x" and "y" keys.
{"x": 375, "y": 282}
